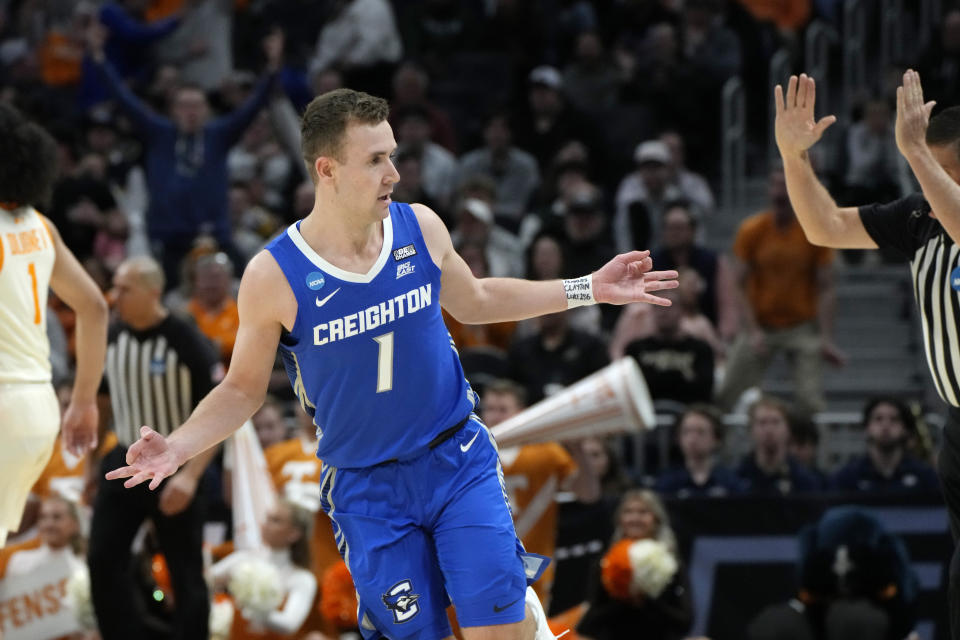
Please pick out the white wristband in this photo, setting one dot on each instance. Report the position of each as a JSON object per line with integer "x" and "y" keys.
{"x": 579, "y": 291}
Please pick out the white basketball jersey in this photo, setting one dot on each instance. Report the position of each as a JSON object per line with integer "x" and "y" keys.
{"x": 26, "y": 263}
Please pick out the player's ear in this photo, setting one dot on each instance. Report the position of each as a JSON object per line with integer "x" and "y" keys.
{"x": 325, "y": 167}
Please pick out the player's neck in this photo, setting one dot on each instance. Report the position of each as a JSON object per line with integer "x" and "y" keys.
{"x": 338, "y": 236}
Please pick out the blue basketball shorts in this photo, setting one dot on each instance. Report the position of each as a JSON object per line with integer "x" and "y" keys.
{"x": 420, "y": 532}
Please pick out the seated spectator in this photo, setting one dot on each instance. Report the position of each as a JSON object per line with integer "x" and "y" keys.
{"x": 699, "y": 432}
{"x": 548, "y": 122}
{"x": 693, "y": 186}
{"x": 804, "y": 443}
{"x": 874, "y": 164}
{"x": 438, "y": 166}
{"x": 259, "y": 155}
{"x": 855, "y": 582}
{"x": 58, "y": 527}
{"x": 712, "y": 49}
{"x": 591, "y": 82}
{"x": 676, "y": 366}
{"x": 411, "y": 188}
{"x": 678, "y": 248}
{"x": 285, "y": 534}
{"x": 546, "y": 260}
{"x": 532, "y": 476}
{"x": 556, "y": 356}
{"x": 642, "y": 197}
{"x": 693, "y": 322}
{"x": 269, "y": 423}
{"x": 410, "y": 85}
{"x": 887, "y": 466}
{"x": 476, "y": 225}
{"x": 513, "y": 170}
{"x": 212, "y": 304}
{"x": 588, "y": 235}
{"x": 634, "y": 591}
{"x": 607, "y": 466}
{"x": 770, "y": 469}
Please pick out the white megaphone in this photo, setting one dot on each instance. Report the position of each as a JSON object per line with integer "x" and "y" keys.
{"x": 612, "y": 400}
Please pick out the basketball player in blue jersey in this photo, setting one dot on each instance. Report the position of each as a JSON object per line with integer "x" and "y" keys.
{"x": 410, "y": 478}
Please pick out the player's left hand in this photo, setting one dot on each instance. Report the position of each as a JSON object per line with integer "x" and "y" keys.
{"x": 80, "y": 427}
{"x": 177, "y": 494}
{"x": 913, "y": 114}
{"x": 628, "y": 278}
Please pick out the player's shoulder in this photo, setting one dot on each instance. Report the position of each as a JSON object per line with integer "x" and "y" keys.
{"x": 263, "y": 277}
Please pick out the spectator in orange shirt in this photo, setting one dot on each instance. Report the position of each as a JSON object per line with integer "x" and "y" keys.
{"x": 212, "y": 304}
{"x": 787, "y": 302}
{"x": 533, "y": 474}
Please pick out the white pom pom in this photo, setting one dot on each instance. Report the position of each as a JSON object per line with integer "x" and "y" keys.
{"x": 652, "y": 567}
{"x": 256, "y": 588}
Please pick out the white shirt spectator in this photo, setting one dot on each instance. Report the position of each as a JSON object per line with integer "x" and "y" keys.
{"x": 363, "y": 34}
{"x": 27, "y": 561}
{"x": 299, "y": 585}
{"x": 516, "y": 180}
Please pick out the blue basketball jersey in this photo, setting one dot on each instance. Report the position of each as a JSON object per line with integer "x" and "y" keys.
{"x": 369, "y": 356}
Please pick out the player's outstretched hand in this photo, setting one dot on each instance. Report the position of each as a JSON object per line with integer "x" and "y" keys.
{"x": 149, "y": 458}
{"x": 913, "y": 114}
{"x": 795, "y": 127}
{"x": 80, "y": 427}
{"x": 628, "y": 278}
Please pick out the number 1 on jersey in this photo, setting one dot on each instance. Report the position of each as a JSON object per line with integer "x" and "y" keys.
{"x": 385, "y": 362}
{"x": 32, "y": 269}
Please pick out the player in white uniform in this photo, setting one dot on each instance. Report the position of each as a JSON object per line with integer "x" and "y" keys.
{"x": 33, "y": 258}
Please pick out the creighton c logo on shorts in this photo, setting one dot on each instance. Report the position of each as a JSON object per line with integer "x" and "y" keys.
{"x": 401, "y": 600}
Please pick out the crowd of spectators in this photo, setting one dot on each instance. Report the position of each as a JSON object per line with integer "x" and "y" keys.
{"x": 549, "y": 135}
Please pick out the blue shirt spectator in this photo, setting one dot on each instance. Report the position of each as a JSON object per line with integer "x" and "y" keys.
{"x": 186, "y": 162}
{"x": 886, "y": 466}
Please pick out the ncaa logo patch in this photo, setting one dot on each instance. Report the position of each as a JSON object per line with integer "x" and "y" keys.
{"x": 404, "y": 252}
{"x": 404, "y": 269}
{"x": 315, "y": 280}
{"x": 401, "y": 601}
{"x": 955, "y": 279}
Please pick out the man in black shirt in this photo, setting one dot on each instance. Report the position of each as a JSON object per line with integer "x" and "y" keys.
{"x": 555, "y": 357}
{"x": 159, "y": 367}
{"x": 676, "y": 366}
{"x": 922, "y": 228}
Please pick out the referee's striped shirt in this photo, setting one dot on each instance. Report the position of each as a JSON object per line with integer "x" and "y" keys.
{"x": 905, "y": 227}
{"x": 157, "y": 376}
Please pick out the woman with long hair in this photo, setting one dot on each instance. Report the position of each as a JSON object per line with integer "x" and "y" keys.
{"x": 286, "y": 535}
{"x": 639, "y": 587}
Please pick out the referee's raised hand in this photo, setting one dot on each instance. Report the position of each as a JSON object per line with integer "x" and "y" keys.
{"x": 913, "y": 115}
{"x": 796, "y": 128}
{"x": 149, "y": 458}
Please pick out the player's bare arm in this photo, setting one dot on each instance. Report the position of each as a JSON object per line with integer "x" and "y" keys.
{"x": 930, "y": 164}
{"x": 242, "y": 390}
{"x": 76, "y": 288}
{"x": 796, "y": 129}
{"x": 626, "y": 278}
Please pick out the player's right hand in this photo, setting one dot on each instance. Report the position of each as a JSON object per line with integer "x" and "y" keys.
{"x": 79, "y": 426}
{"x": 795, "y": 127}
{"x": 149, "y": 458}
